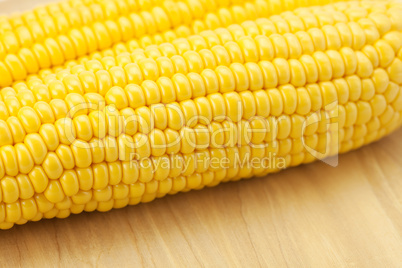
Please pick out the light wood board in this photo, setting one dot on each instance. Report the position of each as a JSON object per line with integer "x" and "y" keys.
{"x": 309, "y": 216}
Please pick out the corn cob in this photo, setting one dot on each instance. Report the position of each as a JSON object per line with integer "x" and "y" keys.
{"x": 88, "y": 11}
{"x": 25, "y": 52}
{"x": 329, "y": 37}
{"x": 302, "y": 19}
{"x": 141, "y": 132}
{"x": 287, "y": 22}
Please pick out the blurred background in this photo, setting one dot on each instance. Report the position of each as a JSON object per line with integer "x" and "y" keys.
{"x": 8, "y": 6}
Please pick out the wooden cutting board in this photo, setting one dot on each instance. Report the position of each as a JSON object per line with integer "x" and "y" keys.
{"x": 311, "y": 216}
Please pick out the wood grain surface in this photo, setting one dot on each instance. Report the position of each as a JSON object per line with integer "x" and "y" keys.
{"x": 310, "y": 216}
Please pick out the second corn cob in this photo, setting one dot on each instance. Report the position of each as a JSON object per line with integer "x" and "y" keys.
{"x": 363, "y": 20}
{"x": 22, "y": 56}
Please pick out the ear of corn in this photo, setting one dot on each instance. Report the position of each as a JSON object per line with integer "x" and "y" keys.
{"x": 302, "y": 19}
{"x": 220, "y": 106}
{"x": 56, "y": 34}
